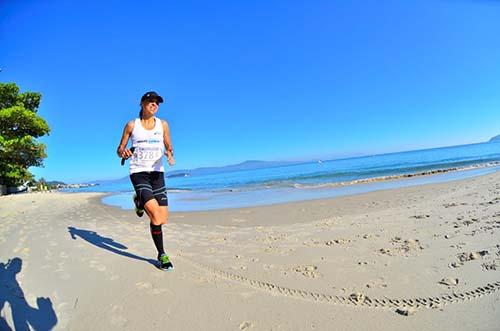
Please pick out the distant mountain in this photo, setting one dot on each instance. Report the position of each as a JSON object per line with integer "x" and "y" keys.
{"x": 495, "y": 138}
{"x": 247, "y": 165}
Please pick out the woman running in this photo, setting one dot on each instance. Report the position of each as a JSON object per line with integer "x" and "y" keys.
{"x": 150, "y": 141}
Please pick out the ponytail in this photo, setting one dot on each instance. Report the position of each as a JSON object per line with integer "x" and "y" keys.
{"x": 140, "y": 112}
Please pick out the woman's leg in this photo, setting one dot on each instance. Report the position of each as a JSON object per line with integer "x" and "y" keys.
{"x": 158, "y": 216}
{"x": 152, "y": 194}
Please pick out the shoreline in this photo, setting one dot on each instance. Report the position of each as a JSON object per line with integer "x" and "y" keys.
{"x": 408, "y": 175}
{"x": 343, "y": 204}
{"x": 233, "y": 199}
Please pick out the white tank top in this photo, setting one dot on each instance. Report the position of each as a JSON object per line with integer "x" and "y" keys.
{"x": 149, "y": 148}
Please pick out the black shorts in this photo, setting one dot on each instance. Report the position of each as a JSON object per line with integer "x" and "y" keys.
{"x": 150, "y": 185}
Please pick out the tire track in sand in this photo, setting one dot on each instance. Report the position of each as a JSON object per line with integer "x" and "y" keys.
{"x": 353, "y": 299}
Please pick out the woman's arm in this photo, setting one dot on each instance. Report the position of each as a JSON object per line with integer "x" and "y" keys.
{"x": 122, "y": 150}
{"x": 168, "y": 143}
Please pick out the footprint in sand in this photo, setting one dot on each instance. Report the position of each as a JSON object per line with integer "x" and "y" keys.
{"x": 309, "y": 271}
{"x": 449, "y": 281}
{"x": 464, "y": 257}
{"x": 491, "y": 266}
{"x": 337, "y": 241}
{"x": 376, "y": 283}
{"x": 245, "y": 325}
{"x": 420, "y": 216}
{"x": 455, "y": 265}
{"x": 143, "y": 285}
{"x": 406, "y": 311}
{"x": 385, "y": 251}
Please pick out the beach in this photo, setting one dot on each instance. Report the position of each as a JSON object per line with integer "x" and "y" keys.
{"x": 424, "y": 257}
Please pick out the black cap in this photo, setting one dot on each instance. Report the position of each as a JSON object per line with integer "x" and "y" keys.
{"x": 151, "y": 95}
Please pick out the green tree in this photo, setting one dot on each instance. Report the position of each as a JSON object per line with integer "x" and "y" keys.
{"x": 19, "y": 127}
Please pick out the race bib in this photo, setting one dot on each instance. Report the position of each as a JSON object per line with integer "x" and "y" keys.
{"x": 147, "y": 156}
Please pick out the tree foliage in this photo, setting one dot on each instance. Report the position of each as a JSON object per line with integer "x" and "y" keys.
{"x": 19, "y": 126}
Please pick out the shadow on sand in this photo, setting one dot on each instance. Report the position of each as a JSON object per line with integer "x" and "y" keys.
{"x": 106, "y": 243}
{"x": 24, "y": 316}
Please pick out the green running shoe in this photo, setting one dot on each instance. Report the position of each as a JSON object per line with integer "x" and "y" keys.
{"x": 165, "y": 263}
{"x": 139, "y": 211}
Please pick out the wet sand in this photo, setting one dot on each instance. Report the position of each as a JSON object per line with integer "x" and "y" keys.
{"x": 415, "y": 258}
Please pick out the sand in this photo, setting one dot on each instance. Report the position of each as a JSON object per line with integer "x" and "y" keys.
{"x": 417, "y": 258}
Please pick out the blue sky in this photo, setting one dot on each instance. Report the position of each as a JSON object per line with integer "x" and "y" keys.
{"x": 266, "y": 80}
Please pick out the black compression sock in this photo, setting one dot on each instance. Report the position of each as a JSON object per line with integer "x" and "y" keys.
{"x": 157, "y": 237}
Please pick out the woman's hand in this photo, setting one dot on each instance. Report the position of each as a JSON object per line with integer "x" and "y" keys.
{"x": 124, "y": 153}
{"x": 170, "y": 158}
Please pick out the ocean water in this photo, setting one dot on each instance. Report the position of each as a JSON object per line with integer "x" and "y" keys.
{"x": 318, "y": 179}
